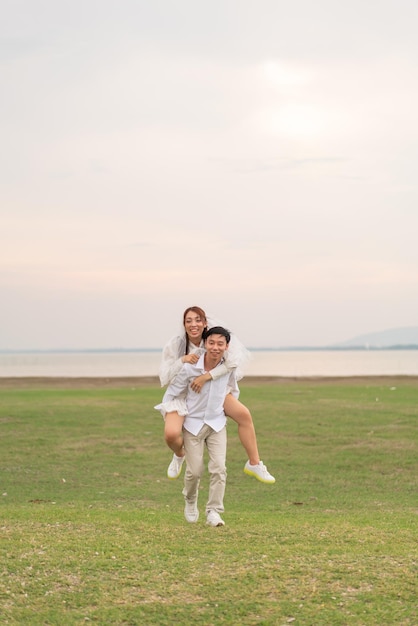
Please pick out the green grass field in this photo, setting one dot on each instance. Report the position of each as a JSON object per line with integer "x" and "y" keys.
{"x": 92, "y": 531}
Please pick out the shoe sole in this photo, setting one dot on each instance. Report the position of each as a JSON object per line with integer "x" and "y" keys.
{"x": 254, "y": 475}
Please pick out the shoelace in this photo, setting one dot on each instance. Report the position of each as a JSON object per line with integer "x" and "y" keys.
{"x": 263, "y": 468}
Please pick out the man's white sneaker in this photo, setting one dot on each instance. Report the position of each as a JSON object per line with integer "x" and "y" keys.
{"x": 191, "y": 512}
{"x": 174, "y": 469}
{"x": 214, "y": 519}
{"x": 259, "y": 472}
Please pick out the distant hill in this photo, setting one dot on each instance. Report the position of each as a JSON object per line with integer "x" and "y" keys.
{"x": 385, "y": 339}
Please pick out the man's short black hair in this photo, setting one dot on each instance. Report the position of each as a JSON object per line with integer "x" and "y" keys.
{"x": 217, "y": 330}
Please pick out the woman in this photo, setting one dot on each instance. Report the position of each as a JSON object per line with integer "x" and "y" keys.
{"x": 187, "y": 348}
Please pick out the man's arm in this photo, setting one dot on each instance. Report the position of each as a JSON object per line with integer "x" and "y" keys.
{"x": 179, "y": 384}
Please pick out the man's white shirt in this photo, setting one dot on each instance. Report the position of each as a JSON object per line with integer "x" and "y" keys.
{"x": 205, "y": 407}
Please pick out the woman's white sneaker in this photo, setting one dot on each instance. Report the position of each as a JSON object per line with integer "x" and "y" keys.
{"x": 259, "y": 472}
{"x": 174, "y": 469}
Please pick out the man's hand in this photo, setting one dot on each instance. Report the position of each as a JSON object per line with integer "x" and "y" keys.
{"x": 199, "y": 381}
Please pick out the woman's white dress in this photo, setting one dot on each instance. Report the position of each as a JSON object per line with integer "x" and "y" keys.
{"x": 171, "y": 363}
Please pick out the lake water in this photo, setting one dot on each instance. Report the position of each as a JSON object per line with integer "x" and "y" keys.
{"x": 292, "y": 363}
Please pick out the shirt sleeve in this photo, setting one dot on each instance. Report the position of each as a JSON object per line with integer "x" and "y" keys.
{"x": 171, "y": 362}
{"x": 178, "y": 385}
{"x": 233, "y": 385}
{"x": 220, "y": 370}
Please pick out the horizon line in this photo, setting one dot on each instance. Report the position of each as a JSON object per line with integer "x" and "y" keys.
{"x": 358, "y": 347}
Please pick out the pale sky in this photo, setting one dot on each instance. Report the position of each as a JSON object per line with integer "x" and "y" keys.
{"x": 256, "y": 158}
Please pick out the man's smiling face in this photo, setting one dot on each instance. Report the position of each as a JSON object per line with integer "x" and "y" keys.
{"x": 215, "y": 346}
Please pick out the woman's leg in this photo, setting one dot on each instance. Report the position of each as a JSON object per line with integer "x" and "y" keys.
{"x": 246, "y": 431}
{"x": 173, "y": 432}
{"x": 173, "y": 435}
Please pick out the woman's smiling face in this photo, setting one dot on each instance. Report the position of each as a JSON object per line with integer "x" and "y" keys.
{"x": 194, "y": 325}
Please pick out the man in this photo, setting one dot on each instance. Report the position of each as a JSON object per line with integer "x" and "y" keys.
{"x": 205, "y": 425}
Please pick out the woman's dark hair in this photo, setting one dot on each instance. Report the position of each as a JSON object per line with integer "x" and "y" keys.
{"x": 202, "y": 315}
{"x": 217, "y": 330}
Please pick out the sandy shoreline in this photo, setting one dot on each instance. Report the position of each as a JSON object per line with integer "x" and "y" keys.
{"x": 153, "y": 381}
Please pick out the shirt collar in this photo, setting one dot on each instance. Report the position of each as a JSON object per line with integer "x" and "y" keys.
{"x": 201, "y": 362}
